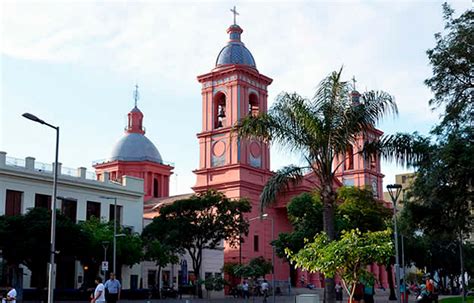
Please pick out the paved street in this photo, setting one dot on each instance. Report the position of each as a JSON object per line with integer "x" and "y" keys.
{"x": 381, "y": 296}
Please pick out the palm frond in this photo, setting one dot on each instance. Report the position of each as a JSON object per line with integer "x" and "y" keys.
{"x": 404, "y": 149}
{"x": 376, "y": 105}
{"x": 280, "y": 181}
{"x": 258, "y": 127}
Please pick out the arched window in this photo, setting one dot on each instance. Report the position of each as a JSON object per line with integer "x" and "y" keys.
{"x": 253, "y": 105}
{"x": 219, "y": 110}
{"x": 349, "y": 158}
{"x": 155, "y": 188}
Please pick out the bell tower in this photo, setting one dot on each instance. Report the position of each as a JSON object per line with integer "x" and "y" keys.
{"x": 356, "y": 170}
{"x": 231, "y": 91}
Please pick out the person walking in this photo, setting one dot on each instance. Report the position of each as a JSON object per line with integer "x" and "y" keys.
{"x": 403, "y": 291}
{"x": 245, "y": 290}
{"x": 338, "y": 289}
{"x": 264, "y": 287}
{"x": 99, "y": 292}
{"x": 113, "y": 288}
{"x": 358, "y": 293}
{"x": 11, "y": 295}
{"x": 369, "y": 292}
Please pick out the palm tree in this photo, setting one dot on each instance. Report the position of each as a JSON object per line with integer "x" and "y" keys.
{"x": 322, "y": 129}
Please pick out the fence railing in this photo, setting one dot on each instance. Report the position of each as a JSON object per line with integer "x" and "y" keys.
{"x": 47, "y": 168}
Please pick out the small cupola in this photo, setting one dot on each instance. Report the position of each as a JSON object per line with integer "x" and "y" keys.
{"x": 355, "y": 95}
{"x": 235, "y": 51}
{"x": 135, "y": 117}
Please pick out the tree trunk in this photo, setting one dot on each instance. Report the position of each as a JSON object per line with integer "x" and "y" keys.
{"x": 159, "y": 282}
{"x": 197, "y": 274}
{"x": 391, "y": 285}
{"x": 328, "y": 197}
{"x": 198, "y": 285}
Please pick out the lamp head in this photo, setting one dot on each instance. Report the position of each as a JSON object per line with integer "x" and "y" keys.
{"x": 394, "y": 191}
{"x": 33, "y": 118}
{"x": 393, "y": 186}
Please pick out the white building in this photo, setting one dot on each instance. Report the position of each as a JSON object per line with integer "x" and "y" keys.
{"x": 25, "y": 184}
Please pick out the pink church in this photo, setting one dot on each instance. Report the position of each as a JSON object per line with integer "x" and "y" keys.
{"x": 233, "y": 89}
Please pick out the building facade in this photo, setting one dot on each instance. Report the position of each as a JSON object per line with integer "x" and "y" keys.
{"x": 135, "y": 155}
{"x": 26, "y": 184}
{"x": 233, "y": 89}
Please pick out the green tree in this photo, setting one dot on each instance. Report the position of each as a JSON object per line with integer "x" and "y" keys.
{"x": 356, "y": 208}
{"x": 201, "y": 222}
{"x": 305, "y": 215}
{"x": 129, "y": 246}
{"x": 320, "y": 130}
{"x": 25, "y": 239}
{"x": 359, "y": 208}
{"x": 437, "y": 211}
{"x": 347, "y": 257}
{"x": 256, "y": 268}
{"x": 162, "y": 254}
{"x": 452, "y": 60}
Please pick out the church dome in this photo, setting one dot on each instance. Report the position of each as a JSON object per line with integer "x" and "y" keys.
{"x": 235, "y": 51}
{"x": 135, "y": 147}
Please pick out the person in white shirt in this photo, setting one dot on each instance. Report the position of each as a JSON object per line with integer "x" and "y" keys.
{"x": 265, "y": 286}
{"x": 99, "y": 293}
{"x": 245, "y": 290}
{"x": 11, "y": 295}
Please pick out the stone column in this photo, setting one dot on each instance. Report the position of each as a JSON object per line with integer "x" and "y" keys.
{"x": 30, "y": 163}
{"x": 3, "y": 158}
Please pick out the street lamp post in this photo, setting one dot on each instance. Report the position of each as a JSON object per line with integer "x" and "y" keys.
{"x": 114, "y": 254}
{"x": 52, "y": 253}
{"x": 105, "y": 245}
{"x": 403, "y": 248}
{"x": 394, "y": 190}
{"x": 267, "y": 217}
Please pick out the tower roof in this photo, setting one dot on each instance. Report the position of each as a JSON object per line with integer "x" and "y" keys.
{"x": 135, "y": 147}
{"x": 235, "y": 51}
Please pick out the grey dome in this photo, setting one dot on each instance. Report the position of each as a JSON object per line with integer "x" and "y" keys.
{"x": 135, "y": 147}
{"x": 235, "y": 51}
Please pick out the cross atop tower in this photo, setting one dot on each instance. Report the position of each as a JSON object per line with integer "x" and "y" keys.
{"x": 234, "y": 11}
{"x": 354, "y": 82}
{"x": 136, "y": 95}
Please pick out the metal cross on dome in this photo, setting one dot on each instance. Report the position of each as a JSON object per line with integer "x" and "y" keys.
{"x": 136, "y": 96}
{"x": 234, "y": 10}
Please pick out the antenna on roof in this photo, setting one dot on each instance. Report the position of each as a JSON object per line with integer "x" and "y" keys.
{"x": 136, "y": 95}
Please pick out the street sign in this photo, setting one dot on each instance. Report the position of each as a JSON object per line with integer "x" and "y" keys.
{"x": 105, "y": 265}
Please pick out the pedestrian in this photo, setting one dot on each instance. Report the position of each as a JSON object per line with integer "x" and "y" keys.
{"x": 403, "y": 291}
{"x": 113, "y": 288}
{"x": 369, "y": 292}
{"x": 358, "y": 292}
{"x": 11, "y": 295}
{"x": 245, "y": 290}
{"x": 338, "y": 288}
{"x": 99, "y": 292}
{"x": 302, "y": 281}
{"x": 264, "y": 287}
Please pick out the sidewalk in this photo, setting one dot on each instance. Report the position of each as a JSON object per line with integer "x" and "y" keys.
{"x": 381, "y": 296}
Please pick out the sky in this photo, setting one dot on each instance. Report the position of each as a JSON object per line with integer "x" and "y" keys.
{"x": 75, "y": 64}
